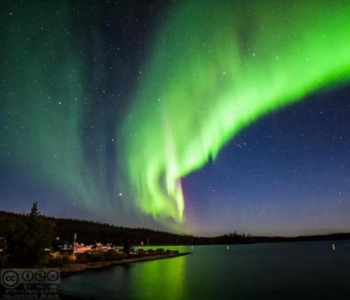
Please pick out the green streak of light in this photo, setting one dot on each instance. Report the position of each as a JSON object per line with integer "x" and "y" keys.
{"x": 214, "y": 69}
{"x": 45, "y": 103}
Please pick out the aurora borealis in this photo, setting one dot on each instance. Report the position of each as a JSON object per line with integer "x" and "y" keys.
{"x": 146, "y": 114}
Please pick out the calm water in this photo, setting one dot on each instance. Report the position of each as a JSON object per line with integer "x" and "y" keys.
{"x": 308, "y": 270}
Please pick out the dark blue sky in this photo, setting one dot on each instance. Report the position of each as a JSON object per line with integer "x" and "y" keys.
{"x": 287, "y": 174}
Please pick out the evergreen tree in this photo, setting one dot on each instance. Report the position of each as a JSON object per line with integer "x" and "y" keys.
{"x": 28, "y": 238}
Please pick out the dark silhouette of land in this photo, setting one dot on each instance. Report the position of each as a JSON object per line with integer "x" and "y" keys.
{"x": 89, "y": 232}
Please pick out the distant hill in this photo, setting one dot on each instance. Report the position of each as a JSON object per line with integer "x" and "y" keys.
{"x": 89, "y": 232}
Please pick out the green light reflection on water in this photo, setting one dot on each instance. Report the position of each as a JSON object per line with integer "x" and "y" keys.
{"x": 160, "y": 278}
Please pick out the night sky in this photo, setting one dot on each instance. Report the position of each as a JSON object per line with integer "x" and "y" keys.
{"x": 200, "y": 117}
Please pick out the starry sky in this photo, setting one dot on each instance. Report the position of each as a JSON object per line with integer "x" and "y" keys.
{"x": 200, "y": 117}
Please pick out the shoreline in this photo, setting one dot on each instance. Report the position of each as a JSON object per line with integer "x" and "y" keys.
{"x": 72, "y": 269}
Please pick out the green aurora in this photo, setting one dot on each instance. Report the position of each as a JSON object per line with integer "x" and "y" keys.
{"x": 214, "y": 69}
{"x": 45, "y": 107}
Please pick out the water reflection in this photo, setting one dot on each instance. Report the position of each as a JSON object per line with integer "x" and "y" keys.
{"x": 144, "y": 280}
{"x": 165, "y": 278}
{"x": 289, "y": 271}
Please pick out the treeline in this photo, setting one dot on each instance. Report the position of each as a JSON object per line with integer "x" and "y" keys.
{"x": 304, "y": 238}
{"x": 89, "y": 232}
{"x": 27, "y": 236}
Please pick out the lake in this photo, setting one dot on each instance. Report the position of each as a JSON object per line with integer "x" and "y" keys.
{"x": 298, "y": 270}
